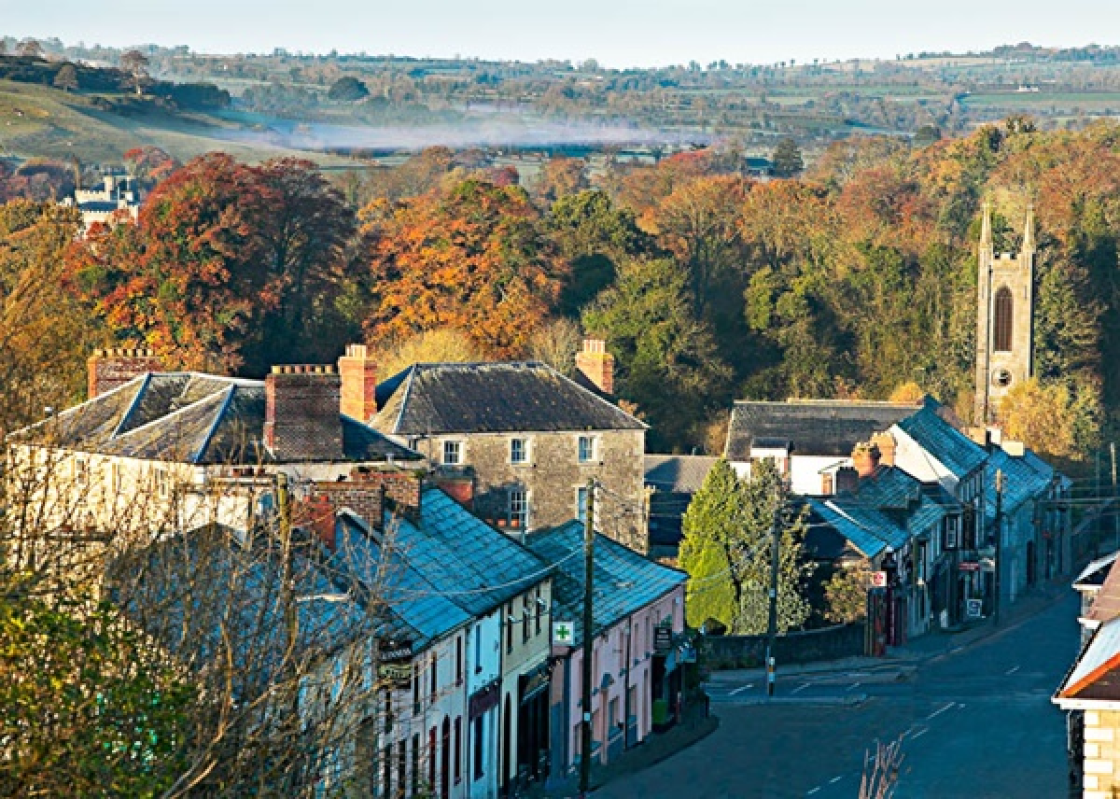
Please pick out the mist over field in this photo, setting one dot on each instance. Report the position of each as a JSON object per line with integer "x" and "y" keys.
{"x": 505, "y": 131}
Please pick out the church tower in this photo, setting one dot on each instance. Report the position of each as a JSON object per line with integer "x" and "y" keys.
{"x": 1004, "y": 319}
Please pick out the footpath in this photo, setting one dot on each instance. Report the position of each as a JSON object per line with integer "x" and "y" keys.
{"x": 902, "y": 660}
{"x": 697, "y": 722}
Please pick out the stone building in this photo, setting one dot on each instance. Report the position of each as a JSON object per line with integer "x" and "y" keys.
{"x": 528, "y": 437}
{"x": 1004, "y": 318}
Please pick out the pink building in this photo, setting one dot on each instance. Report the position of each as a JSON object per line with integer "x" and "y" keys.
{"x": 638, "y": 610}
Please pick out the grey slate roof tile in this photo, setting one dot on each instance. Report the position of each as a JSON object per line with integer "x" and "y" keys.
{"x": 623, "y": 581}
{"x": 813, "y": 427}
{"x": 677, "y": 473}
{"x": 960, "y": 454}
{"x": 491, "y": 398}
{"x": 191, "y": 418}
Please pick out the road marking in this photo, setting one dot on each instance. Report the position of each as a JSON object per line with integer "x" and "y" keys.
{"x": 937, "y": 713}
{"x": 919, "y": 735}
{"x": 835, "y": 780}
{"x": 1009, "y": 672}
{"x": 815, "y": 790}
{"x": 854, "y": 686}
{"x": 740, "y": 689}
{"x": 801, "y": 687}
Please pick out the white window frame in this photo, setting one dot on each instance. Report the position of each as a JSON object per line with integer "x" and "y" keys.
{"x": 593, "y": 449}
{"x": 523, "y": 516}
{"x": 581, "y": 503}
{"x": 445, "y": 449}
{"x": 524, "y": 446}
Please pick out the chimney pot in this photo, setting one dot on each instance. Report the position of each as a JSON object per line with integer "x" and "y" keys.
{"x": 108, "y": 368}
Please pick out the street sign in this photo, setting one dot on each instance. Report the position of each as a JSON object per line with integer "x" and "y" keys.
{"x": 563, "y": 633}
{"x": 969, "y": 566}
{"x": 878, "y": 579}
{"x": 974, "y": 608}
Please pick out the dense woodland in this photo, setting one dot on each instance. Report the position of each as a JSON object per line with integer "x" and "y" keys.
{"x": 855, "y": 280}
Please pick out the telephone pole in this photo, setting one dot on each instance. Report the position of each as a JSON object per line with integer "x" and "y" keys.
{"x": 772, "y": 622}
{"x": 588, "y": 641}
{"x": 999, "y": 544}
{"x": 1115, "y": 518}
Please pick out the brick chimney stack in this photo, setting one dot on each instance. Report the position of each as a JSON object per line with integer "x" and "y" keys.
{"x": 596, "y": 364}
{"x": 847, "y": 480}
{"x": 302, "y": 420}
{"x": 359, "y": 383}
{"x": 107, "y": 369}
{"x": 865, "y": 459}
{"x": 886, "y": 445}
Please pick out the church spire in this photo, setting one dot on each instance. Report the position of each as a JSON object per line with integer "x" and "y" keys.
{"x": 1028, "y": 231}
{"x": 986, "y": 230}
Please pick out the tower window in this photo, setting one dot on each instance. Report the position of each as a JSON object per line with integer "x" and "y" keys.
{"x": 1003, "y": 309}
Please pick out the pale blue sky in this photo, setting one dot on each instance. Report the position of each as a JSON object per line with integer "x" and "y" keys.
{"x": 618, "y": 33}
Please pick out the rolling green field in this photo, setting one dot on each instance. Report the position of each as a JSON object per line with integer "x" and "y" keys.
{"x": 37, "y": 122}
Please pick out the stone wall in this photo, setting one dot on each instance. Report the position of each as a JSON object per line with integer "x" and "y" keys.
{"x": 749, "y": 651}
{"x": 553, "y": 475}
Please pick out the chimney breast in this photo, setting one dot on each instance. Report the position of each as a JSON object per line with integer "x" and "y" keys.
{"x": 359, "y": 383}
{"x": 865, "y": 459}
{"x": 596, "y": 364}
{"x": 301, "y": 413}
{"x": 107, "y": 369}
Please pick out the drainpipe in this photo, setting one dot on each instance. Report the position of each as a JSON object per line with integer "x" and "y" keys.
{"x": 626, "y": 687}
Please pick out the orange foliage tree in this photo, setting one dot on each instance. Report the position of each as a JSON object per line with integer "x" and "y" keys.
{"x": 474, "y": 259}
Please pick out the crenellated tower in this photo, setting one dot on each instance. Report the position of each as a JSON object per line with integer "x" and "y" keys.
{"x": 1004, "y": 319}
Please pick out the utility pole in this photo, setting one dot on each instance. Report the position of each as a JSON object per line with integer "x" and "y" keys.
{"x": 1115, "y": 518}
{"x": 772, "y": 623}
{"x": 588, "y": 640}
{"x": 999, "y": 542}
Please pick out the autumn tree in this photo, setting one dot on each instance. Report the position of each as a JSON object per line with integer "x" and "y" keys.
{"x": 149, "y": 164}
{"x": 135, "y": 65}
{"x": 561, "y": 177}
{"x": 29, "y": 48}
{"x": 45, "y": 334}
{"x": 229, "y": 266}
{"x": 66, "y": 78}
{"x": 475, "y": 260}
{"x": 441, "y": 345}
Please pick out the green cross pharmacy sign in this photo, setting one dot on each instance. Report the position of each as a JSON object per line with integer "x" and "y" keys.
{"x": 563, "y": 633}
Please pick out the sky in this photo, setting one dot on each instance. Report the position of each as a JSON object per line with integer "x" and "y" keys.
{"x": 616, "y": 33}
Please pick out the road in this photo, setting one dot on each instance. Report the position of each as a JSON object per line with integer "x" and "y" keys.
{"x": 976, "y": 723}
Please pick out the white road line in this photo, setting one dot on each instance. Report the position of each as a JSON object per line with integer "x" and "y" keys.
{"x": 740, "y": 689}
{"x": 1009, "y": 672}
{"x": 919, "y": 735}
{"x": 815, "y": 790}
{"x": 835, "y": 780}
{"x": 854, "y": 686}
{"x": 801, "y": 687}
{"x": 937, "y": 713}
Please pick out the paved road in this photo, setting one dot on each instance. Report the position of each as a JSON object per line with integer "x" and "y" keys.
{"x": 975, "y": 724}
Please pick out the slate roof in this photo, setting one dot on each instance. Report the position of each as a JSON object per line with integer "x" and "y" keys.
{"x": 1096, "y": 675}
{"x": 682, "y": 474}
{"x": 417, "y": 610}
{"x": 956, "y": 451}
{"x": 1021, "y": 483}
{"x": 813, "y": 427}
{"x": 623, "y": 582}
{"x": 901, "y": 497}
{"x": 191, "y": 418}
{"x": 867, "y": 529}
{"x": 213, "y": 594}
{"x": 477, "y": 567}
{"x": 440, "y": 398}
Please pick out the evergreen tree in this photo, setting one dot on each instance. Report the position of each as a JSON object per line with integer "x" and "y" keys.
{"x": 711, "y": 526}
{"x": 787, "y": 159}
